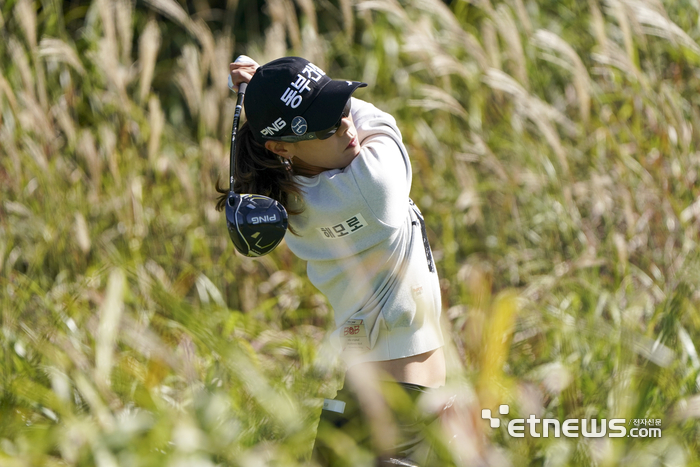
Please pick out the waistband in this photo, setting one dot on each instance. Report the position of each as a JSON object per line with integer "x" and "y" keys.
{"x": 339, "y": 404}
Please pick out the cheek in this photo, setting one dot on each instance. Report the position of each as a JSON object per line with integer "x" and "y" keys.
{"x": 318, "y": 155}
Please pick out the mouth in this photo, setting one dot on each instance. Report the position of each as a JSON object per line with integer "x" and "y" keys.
{"x": 352, "y": 144}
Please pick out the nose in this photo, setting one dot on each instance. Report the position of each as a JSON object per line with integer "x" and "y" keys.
{"x": 345, "y": 124}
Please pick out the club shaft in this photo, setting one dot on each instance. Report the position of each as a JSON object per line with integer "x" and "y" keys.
{"x": 234, "y": 130}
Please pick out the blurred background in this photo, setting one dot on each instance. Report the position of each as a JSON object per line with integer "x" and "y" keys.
{"x": 555, "y": 156}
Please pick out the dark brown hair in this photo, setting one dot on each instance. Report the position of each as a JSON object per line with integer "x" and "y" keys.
{"x": 260, "y": 171}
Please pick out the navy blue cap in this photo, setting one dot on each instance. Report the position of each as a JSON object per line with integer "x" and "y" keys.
{"x": 291, "y": 96}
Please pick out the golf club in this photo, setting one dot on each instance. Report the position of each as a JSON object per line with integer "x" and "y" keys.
{"x": 256, "y": 223}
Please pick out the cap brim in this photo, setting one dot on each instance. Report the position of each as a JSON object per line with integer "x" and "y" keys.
{"x": 327, "y": 107}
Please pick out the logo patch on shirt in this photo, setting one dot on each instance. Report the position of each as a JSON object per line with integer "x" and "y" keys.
{"x": 353, "y": 335}
{"x": 343, "y": 229}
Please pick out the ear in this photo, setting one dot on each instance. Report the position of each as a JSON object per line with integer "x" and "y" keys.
{"x": 280, "y": 148}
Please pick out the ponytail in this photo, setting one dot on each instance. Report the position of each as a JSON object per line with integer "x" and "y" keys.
{"x": 261, "y": 172}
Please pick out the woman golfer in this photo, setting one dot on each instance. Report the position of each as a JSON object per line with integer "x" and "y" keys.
{"x": 339, "y": 166}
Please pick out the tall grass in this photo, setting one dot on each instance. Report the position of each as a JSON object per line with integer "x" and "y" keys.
{"x": 555, "y": 150}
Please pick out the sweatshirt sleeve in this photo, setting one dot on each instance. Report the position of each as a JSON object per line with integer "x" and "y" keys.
{"x": 382, "y": 170}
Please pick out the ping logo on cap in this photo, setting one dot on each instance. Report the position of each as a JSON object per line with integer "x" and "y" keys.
{"x": 277, "y": 125}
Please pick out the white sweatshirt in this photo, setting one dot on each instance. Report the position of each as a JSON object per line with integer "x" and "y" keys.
{"x": 366, "y": 251}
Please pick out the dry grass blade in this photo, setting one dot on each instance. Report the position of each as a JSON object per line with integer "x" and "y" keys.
{"x": 3, "y": 248}
{"x": 92, "y": 397}
{"x": 185, "y": 177}
{"x": 488, "y": 33}
{"x": 473, "y": 47}
{"x": 110, "y": 316}
{"x": 275, "y": 39}
{"x": 33, "y": 118}
{"x": 174, "y": 11}
{"x": 523, "y": 16}
{"x": 346, "y": 7}
{"x": 108, "y": 146}
{"x": 314, "y": 46}
{"x": 139, "y": 227}
{"x": 156, "y": 120}
{"x": 107, "y": 59}
{"x": 687, "y": 408}
{"x": 496, "y": 339}
{"x": 286, "y": 412}
{"x": 189, "y": 79}
{"x": 447, "y": 21}
{"x": 686, "y": 341}
{"x": 64, "y": 120}
{"x": 388, "y": 6}
{"x": 614, "y": 56}
{"x": 652, "y": 350}
{"x": 147, "y": 343}
{"x": 673, "y": 110}
{"x": 539, "y": 112}
{"x": 149, "y": 43}
{"x": 550, "y": 133}
{"x": 87, "y": 150}
{"x": 692, "y": 211}
{"x": 436, "y": 98}
{"x": 106, "y": 9}
{"x": 123, "y": 14}
{"x": 59, "y": 51}
{"x": 82, "y": 234}
{"x": 21, "y": 61}
{"x": 307, "y": 6}
{"x": 554, "y": 377}
{"x": 509, "y": 32}
{"x": 206, "y": 288}
{"x": 198, "y": 29}
{"x": 618, "y": 10}
{"x": 32, "y": 148}
{"x": 223, "y": 50}
{"x": 659, "y": 24}
{"x": 210, "y": 106}
{"x": 531, "y": 105}
{"x": 17, "y": 208}
{"x": 488, "y": 158}
{"x": 282, "y": 12}
{"x": 7, "y": 142}
{"x": 547, "y": 40}
{"x": 598, "y": 23}
{"x": 25, "y": 13}
{"x": 468, "y": 199}
{"x": 205, "y": 37}
{"x": 9, "y": 94}
{"x": 443, "y": 13}
{"x": 421, "y": 40}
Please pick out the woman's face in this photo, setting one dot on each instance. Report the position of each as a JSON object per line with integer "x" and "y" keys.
{"x": 318, "y": 155}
